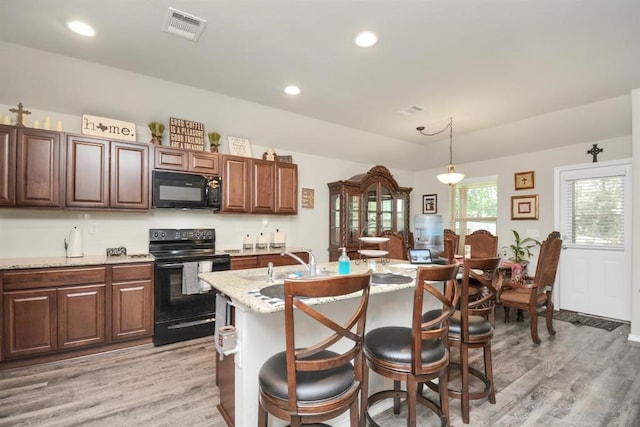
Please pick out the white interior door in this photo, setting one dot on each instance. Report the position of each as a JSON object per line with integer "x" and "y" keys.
{"x": 593, "y": 214}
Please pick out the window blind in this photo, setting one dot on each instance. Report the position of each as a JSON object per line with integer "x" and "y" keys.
{"x": 596, "y": 211}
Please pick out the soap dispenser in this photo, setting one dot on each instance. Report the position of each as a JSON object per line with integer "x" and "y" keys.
{"x": 344, "y": 263}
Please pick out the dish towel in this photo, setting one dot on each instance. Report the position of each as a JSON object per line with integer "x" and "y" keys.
{"x": 204, "y": 267}
{"x": 222, "y": 319}
{"x": 190, "y": 284}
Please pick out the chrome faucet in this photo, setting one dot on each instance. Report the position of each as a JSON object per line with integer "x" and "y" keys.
{"x": 270, "y": 272}
{"x": 311, "y": 267}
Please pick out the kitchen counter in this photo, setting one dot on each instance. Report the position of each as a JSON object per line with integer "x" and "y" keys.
{"x": 61, "y": 261}
{"x": 255, "y": 252}
{"x": 246, "y": 292}
{"x": 260, "y": 328}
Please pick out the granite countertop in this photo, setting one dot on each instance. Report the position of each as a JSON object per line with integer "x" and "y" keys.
{"x": 61, "y": 261}
{"x": 246, "y": 292}
{"x": 255, "y": 252}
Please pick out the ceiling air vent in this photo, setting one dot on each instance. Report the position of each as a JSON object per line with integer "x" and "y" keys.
{"x": 184, "y": 25}
{"x": 411, "y": 110}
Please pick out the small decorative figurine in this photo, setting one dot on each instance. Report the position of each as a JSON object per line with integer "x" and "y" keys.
{"x": 214, "y": 141}
{"x": 157, "y": 129}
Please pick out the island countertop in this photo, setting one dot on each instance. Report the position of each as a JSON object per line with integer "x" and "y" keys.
{"x": 237, "y": 285}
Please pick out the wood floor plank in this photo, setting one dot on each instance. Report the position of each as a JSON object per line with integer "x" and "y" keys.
{"x": 581, "y": 377}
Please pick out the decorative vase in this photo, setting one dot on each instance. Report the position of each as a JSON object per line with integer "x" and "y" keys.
{"x": 156, "y": 139}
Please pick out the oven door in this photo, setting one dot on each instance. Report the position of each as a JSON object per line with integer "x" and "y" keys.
{"x": 170, "y": 303}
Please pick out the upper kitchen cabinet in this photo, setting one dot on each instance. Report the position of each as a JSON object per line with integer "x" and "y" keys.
{"x": 186, "y": 160}
{"x": 29, "y": 167}
{"x": 365, "y": 205}
{"x": 105, "y": 174}
{"x": 259, "y": 186}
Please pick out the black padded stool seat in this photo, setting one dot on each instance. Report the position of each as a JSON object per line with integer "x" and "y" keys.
{"x": 478, "y": 325}
{"x": 312, "y": 385}
{"x": 414, "y": 355}
{"x": 393, "y": 343}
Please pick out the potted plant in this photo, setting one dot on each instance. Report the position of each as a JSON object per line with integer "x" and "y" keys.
{"x": 157, "y": 129}
{"x": 214, "y": 141}
{"x": 521, "y": 248}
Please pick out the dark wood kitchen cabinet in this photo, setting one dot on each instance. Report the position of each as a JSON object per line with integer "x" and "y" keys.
{"x": 241, "y": 262}
{"x": 29, "y": 167}
{"x": 132, "y": 299}
{"x": 104, "y": 174}
{"x": 176, "y": 159}
{"x": 236, "y": 195}
{"x": 7, "y": 165}
{"x": 259, "y": 186}
{"x": 53, "y": 313}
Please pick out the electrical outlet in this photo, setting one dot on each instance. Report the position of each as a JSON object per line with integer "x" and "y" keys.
{"x": 93, "y": 228}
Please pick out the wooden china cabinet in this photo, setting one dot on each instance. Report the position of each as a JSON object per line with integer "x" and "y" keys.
{"x": 366, "y": 205}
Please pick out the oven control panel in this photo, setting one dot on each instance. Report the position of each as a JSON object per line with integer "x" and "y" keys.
{"x": 185, "y": 234}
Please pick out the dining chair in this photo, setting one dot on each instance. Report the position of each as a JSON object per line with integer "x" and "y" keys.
{"x": 483, "y": 244}
{"x": 470, "y": 327}
{"x": 319, "y": 381}
{"x": 535, "y": 293}
{"x": 414, "y": 355}
{"x": 450, "y": 235}
{"x": 396, "y": 245}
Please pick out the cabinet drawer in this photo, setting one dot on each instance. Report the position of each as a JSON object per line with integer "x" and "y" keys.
{"x": 47, "y": 278}
{"x": 240, "y": 263}
{"x": 123, "y": 273}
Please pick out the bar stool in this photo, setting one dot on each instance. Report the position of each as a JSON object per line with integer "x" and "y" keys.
{"x": 416, "y": 354}
{"x": 472, "y": 327}
{"x": 317, "y": 382}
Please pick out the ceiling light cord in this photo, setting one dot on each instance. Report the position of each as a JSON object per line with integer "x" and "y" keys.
{"x": 451, "y": 177}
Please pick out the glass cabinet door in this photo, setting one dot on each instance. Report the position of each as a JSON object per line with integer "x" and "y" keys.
{"x": 334, "y": 219}
{"x": 353, "y": 220}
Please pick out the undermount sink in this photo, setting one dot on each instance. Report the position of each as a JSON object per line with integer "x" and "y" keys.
{"x": 278, "y": 277}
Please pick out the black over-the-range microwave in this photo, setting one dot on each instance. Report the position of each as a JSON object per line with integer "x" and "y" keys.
{"x": 184, "y": 190}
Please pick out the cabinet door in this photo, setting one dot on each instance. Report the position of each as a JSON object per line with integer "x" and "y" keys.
{"x": 87, "y": 182}
{"x": 204, "y": 163}
{"x": 279, "y": 260}
{"x": 170, "y": 159}
{"x": 263, "y": 175}
{"x": 38, "y": 168}
{"x": 29, "y": 322}
{"x": 7, "y": 166}
{"x": 129, "y": 176}
{"x": 81, "y": 316}
{"x": 132, "y": 311}
{"x": 286, "y": 188}
{"x": 235, "y": 184}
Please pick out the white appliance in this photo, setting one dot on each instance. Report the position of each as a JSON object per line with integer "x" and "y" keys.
{"x": 74, "y": 245}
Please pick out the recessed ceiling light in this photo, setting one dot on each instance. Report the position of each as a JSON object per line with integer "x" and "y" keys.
{"x": 81, "y": 28}
{"x": 366, "y": 39}
{"x": 292, "y": 90}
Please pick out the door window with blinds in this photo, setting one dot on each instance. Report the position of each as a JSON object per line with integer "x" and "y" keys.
{"x": 595, "y": 214}
{"x": 474, "y": 207}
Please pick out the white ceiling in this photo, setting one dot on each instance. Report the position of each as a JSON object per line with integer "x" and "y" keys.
{"x": 486, "y": 63}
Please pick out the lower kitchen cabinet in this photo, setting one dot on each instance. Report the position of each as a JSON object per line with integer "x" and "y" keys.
{"x": 30, "y": 325}
{"x": 242, "y": 262}
{"x": 81, "y": 316}
{"x": 132, "y": 299}
{"x": 50, "y": 311}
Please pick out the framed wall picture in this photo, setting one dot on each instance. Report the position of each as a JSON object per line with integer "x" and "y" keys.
{"x": 239, "y": 146}
{"x": 524, "y": 207}
{"x": 430, "y": 204}
{"x": 525, "y": 180}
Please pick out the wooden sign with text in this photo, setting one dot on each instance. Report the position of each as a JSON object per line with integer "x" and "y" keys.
{"x": 186, "y": 134}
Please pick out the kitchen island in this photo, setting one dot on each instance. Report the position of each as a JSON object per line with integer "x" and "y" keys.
{"x": 259, "y": 326}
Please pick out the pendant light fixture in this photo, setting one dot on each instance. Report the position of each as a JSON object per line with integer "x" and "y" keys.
{"x": 451, "y": 177}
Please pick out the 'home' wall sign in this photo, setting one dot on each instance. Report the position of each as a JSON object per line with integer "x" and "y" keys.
{"x": 108, "y": 128}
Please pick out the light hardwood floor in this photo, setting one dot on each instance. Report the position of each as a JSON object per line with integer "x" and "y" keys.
{"x": 581, "y": 377}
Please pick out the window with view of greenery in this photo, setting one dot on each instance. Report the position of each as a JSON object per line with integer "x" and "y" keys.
{"x": 474, "y": 207}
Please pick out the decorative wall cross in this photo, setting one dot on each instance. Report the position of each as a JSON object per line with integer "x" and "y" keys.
{"x": 594, "y": 152}
{"x": 21, "y": 112}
